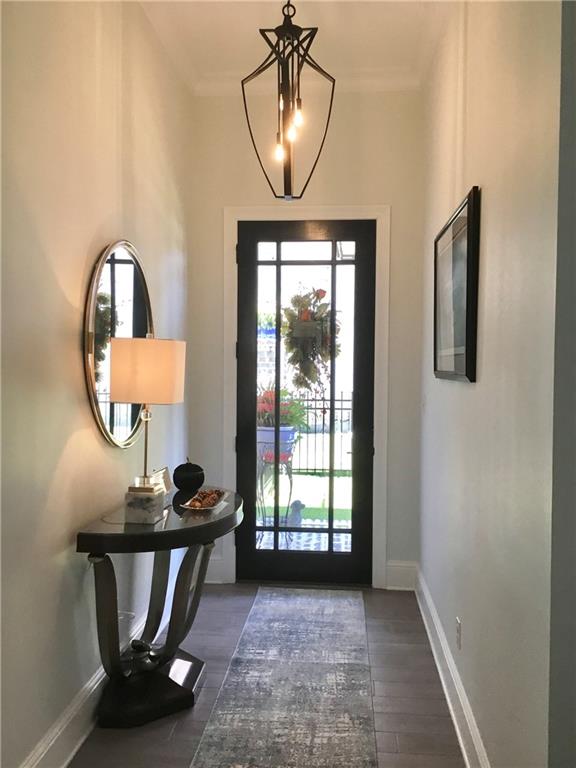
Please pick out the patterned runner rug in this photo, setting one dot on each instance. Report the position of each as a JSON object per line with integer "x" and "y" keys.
{"x": 297, "y": 693}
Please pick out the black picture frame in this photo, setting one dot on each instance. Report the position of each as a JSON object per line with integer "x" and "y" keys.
{"x": 456, "y": 257}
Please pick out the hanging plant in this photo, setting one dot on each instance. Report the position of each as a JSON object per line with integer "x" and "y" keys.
{"x": 306, "y": 331}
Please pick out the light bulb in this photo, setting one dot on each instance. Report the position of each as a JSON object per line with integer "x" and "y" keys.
{"x": 291, "y": 134}
{"x": 298, "y": 118}
{"x": 279, "y": 152}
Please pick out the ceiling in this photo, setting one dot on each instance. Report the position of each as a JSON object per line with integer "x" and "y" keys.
{"x": 365, "y": 45}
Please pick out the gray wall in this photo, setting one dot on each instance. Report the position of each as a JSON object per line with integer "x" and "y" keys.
{"x": 493, "y": 120}
{"x": 95, "y": 148}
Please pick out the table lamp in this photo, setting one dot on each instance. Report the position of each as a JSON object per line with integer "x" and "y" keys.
{"x": 149, "y": 372}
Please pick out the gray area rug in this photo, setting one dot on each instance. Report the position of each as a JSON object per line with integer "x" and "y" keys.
{"x": 298, "y": 690}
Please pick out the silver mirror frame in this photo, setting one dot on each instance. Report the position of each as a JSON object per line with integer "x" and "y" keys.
{"x": 89, "y": 330}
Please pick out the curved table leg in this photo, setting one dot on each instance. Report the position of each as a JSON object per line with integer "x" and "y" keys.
{"x": 149, "y": 683}
{"x": 107, "y": 615}
{"x": 197, "y": 594}
{"x": 158, "y": 591}
{"x": 185, "y": 601}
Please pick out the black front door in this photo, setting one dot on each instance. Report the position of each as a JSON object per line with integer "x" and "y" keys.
{"x": 305, "y": 400}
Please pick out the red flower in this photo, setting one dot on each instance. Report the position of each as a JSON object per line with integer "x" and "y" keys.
{"x": 268, "y": 457}
{"x": 320, "y": 293}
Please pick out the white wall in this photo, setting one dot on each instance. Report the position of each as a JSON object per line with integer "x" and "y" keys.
{"x": 373, "y": 156}
{"x": 493, "y": 120}
{"x": 95, "y": 148}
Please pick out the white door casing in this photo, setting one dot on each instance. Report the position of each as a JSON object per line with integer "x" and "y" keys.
{"x": 223, "y": 563}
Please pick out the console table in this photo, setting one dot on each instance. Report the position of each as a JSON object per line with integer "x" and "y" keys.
{"x": 150, "y": 679}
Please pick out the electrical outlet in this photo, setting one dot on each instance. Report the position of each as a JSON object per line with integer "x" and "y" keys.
{"x": 458, "y": 633}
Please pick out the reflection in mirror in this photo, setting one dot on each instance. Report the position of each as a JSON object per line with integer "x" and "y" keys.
{"x": 118, "y": 305}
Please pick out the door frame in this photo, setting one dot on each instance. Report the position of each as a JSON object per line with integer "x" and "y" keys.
{"x": 327, "y": 566}
{"x": 223, "y": 564}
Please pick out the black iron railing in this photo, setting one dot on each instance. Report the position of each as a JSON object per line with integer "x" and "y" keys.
{"x": 312, "y": 450}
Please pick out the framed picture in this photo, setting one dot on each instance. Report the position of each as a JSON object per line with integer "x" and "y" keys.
{"x": 456, "y": 250}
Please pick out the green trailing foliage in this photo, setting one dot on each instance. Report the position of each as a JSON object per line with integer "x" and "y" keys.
{"x": 306, "y": 329}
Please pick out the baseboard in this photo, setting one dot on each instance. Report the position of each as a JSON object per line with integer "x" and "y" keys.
{"x": 401, "y": 574}
{"x": 466, "y": 727}
{"x": 59, "y": 745}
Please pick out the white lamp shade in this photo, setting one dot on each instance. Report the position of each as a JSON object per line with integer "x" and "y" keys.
{"x": 149, "y": 371}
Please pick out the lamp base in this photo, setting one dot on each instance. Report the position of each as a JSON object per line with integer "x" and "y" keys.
{"x": 144, "y": 504}
{"x": 143, "y": 484}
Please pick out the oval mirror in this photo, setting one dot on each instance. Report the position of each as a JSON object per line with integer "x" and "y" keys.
{"x": 118, "y": 304}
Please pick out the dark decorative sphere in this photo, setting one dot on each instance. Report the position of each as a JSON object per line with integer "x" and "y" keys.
{"x": 180, "y": 498}
{"x": 188, "y": 477}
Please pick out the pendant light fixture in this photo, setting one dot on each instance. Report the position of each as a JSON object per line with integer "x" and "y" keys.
{"x": 290, "y": 52}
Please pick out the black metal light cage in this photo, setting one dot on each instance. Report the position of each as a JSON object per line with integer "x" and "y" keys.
{"x": 290, "y": 49}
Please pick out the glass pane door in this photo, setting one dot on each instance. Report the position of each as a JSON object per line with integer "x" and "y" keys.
{"x": 304, "y": 373}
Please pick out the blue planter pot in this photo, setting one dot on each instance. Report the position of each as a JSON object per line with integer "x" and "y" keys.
{"x": 265, "y": 443}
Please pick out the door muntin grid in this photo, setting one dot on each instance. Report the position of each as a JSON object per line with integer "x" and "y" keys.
{"x": 304, "y": 484}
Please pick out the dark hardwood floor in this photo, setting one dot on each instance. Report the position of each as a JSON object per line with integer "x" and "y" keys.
{"x": 413, "y": 725}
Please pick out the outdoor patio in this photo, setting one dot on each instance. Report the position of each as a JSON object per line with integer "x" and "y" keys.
{"x": 304, "y": 496}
